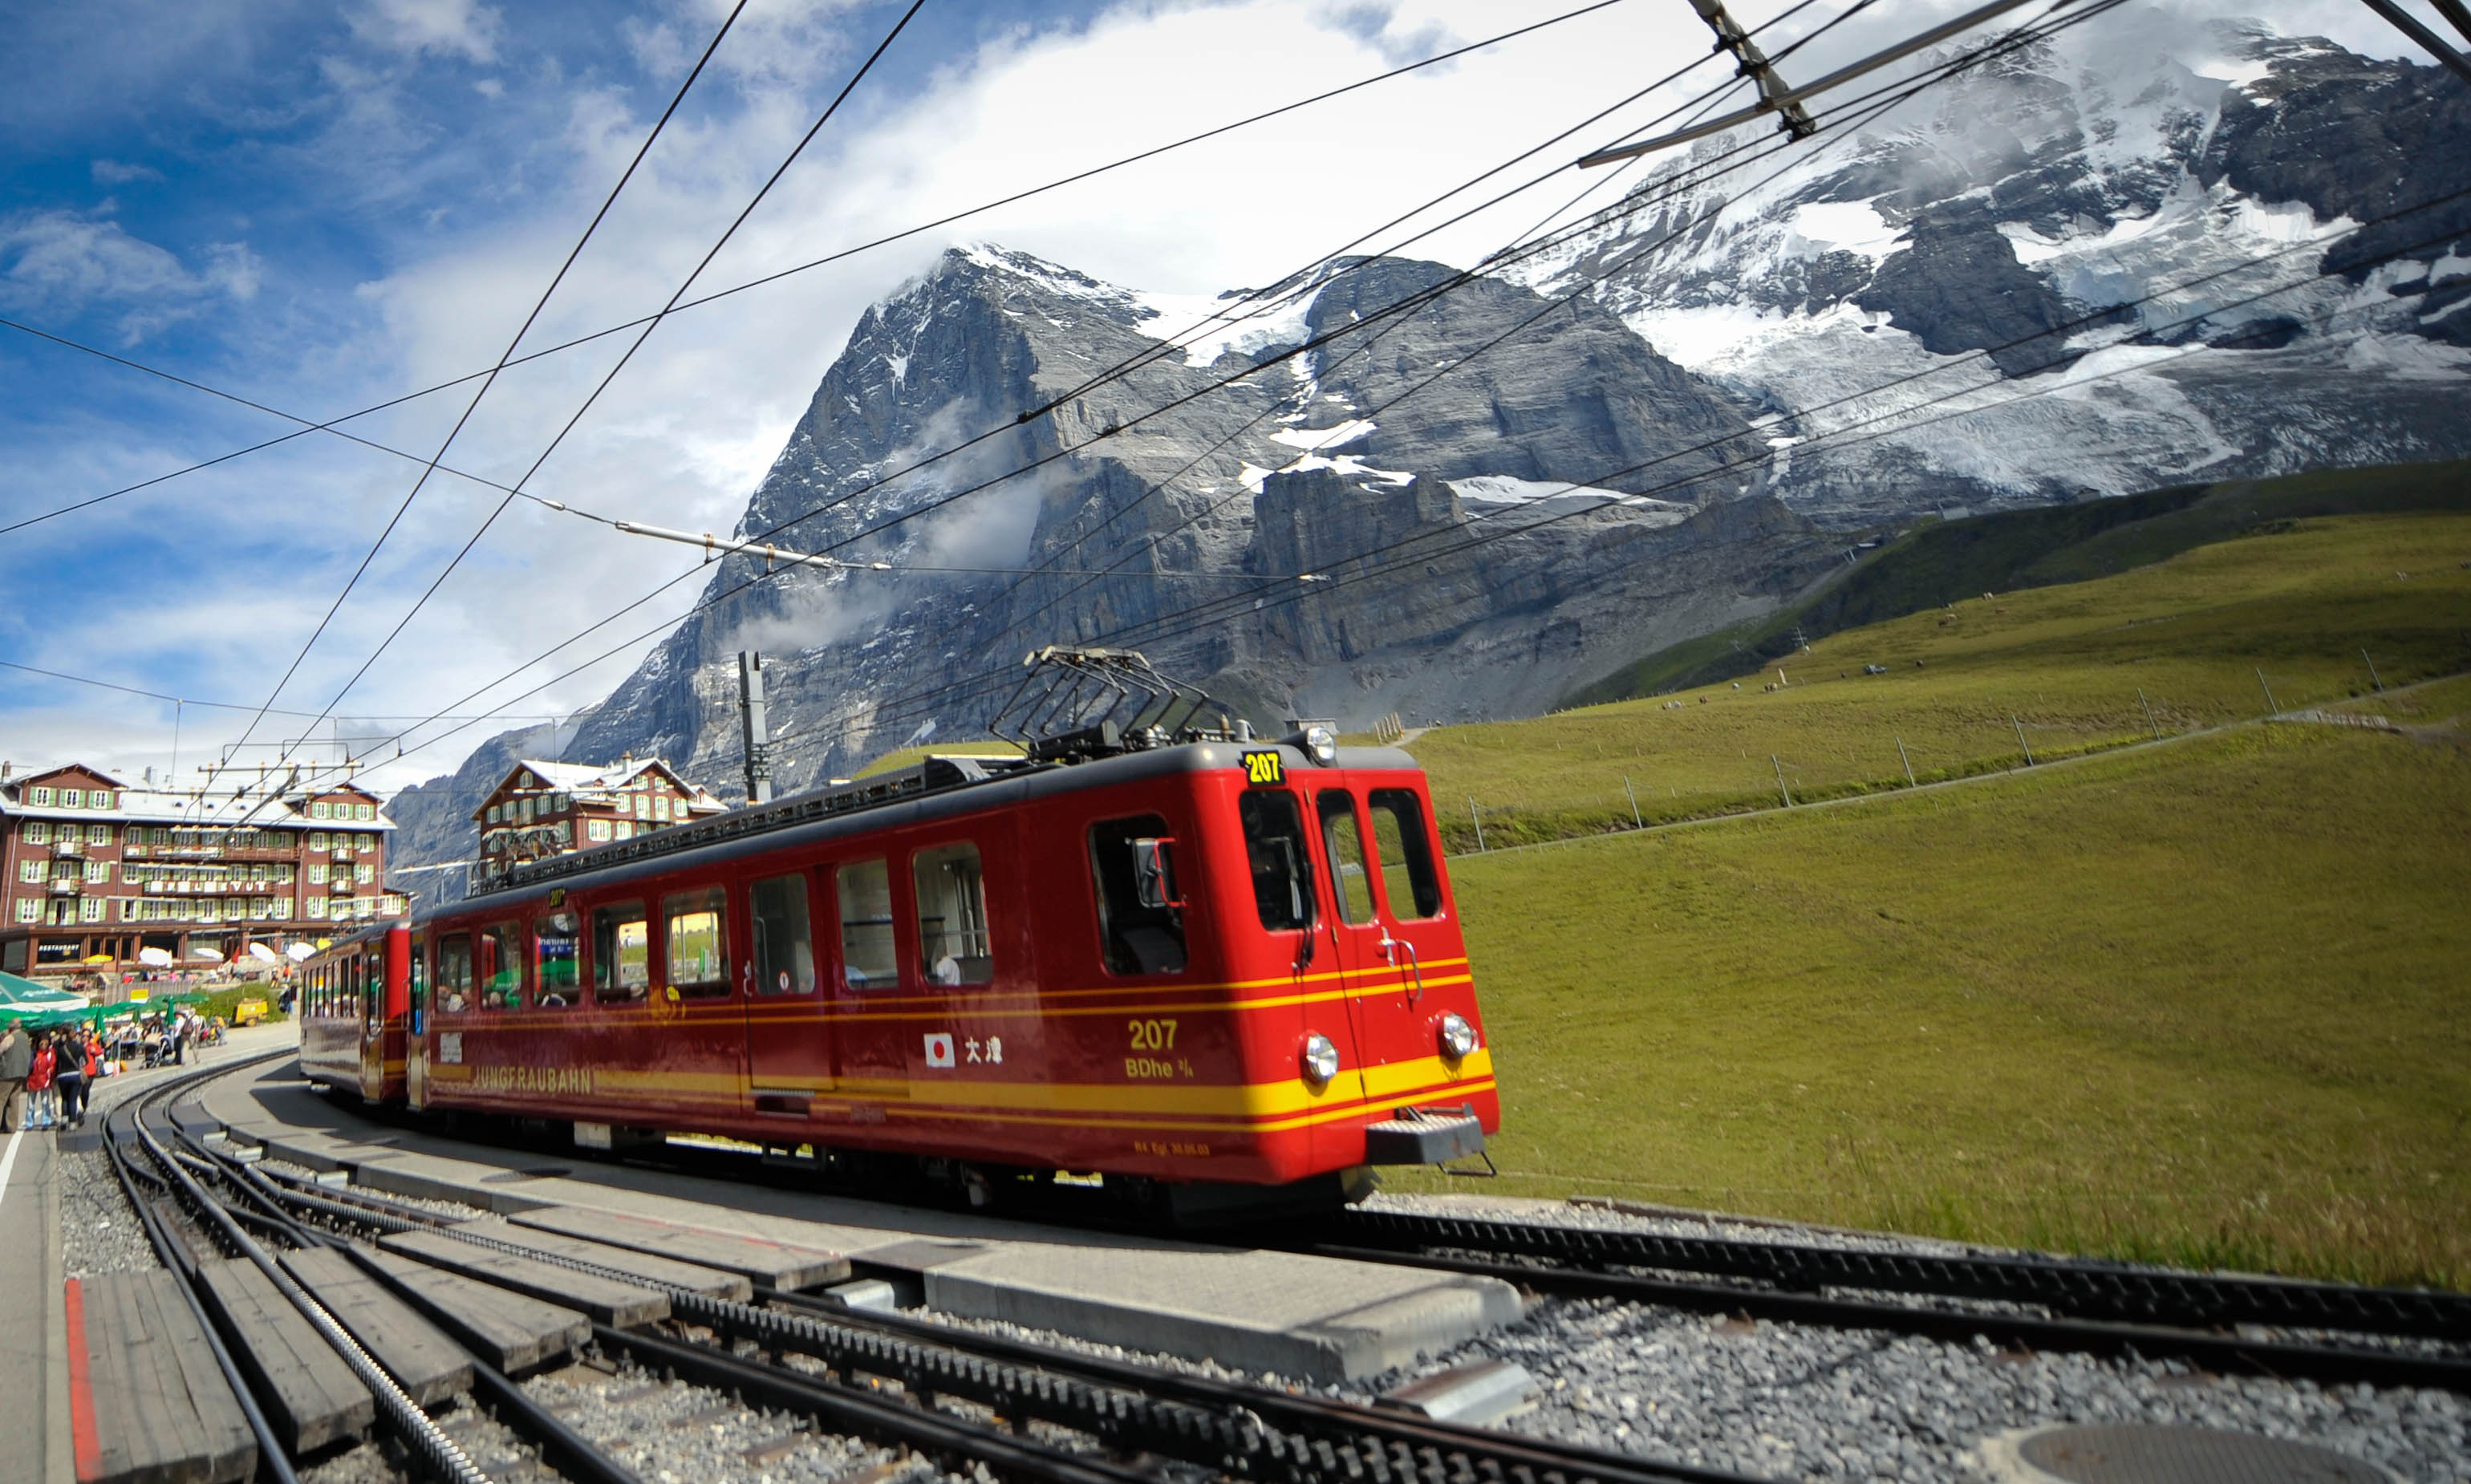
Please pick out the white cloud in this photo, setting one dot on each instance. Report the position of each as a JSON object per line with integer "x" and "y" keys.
{"x": 450, "y": 28}
{"x": 60, "y": 262}
{"x": 119, "y": 172}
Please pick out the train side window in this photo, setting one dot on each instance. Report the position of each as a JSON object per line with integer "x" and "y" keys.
{"x": 555, "y": 947}
{"x": 1274, "y": 847}
{"x": 622, "y": 953}
{"x": 500, "y": 969}
{"x": 417, "y": 976}
{"x": 783, "y": 946}
{"x": 373, "y": 988}
{"x": 1409, "y": 883}
{"x": 698, "y": 950}
{"x": 1132, "y": 938}
{"x": 952, "y": 941}
{"x": 865, "y": 891}
{"x": 455, "y": 972}
{"x": 1344, "y": 841}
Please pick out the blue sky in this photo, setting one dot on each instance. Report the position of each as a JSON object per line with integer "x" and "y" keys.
{"x": 321, "y": 205}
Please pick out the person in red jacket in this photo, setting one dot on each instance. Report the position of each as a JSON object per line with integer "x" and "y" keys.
{"x": 45, "y": 1109}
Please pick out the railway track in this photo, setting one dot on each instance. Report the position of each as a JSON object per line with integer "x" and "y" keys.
{"x": 967, "y": 1401}
{"x": 2337, "y": 1333}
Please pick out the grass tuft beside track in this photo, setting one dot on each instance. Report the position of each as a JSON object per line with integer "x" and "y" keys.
{"x": 2202, "y": 1004}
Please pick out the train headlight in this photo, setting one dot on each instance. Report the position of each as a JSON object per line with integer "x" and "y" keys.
{"x": 1323, "y": 744}
{"x": 1319, "y": 1059}
{"x": 1457, "y": 1036}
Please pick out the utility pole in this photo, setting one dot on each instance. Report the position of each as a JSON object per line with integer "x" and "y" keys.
{"x": 2021, "y": 741}
{"x": 2271, "y": 706}
{"x": 1781, "y": 788}
{"x": 756, "y": 731}
{"x": 2373, "y": 678}
{"x": 1636, "y": 823}
{"x": 2149, "y": 713}
{"x": 1909, "y": 764}
{"x": 1477, "y": 815}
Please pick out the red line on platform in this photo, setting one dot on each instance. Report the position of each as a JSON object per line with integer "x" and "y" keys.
{"x": 88, "y": 1447}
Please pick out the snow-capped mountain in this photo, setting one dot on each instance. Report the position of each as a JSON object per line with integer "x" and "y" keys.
{"x": 2089, "y": 268}
{"x": 2101, "y": 266}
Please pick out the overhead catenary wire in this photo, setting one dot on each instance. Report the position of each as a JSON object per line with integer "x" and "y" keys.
{"x": 333, "y": 425}
{"x": 490, "y": 380}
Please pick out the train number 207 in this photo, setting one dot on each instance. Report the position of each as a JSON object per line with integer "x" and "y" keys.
{"x": 1265, "y": 768}
{"x": 1153, "y": 1035}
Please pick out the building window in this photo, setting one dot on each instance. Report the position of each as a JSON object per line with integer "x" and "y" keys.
{"x": 317, "y": 839}
{"x": 317, "y": 907}
{"x": 91, "y": 911}
{"x": 29, "y": 870}
{"x": 72, "y": 799}
{"x": 625, "y": 830}
{"x": 99, "y": 871}
{"x": 39, "y": 831}
{"x": 661, "y": 806}
{"x": 97, "y": 834}
{"x": 317, "y": 873}
{"x": 643, "y": 805}
{"x": 159, "y": 835}
{"x": 365, "y": 873}
{"x": 28, "y": 910}
{"x": 39, "y": 798}
{"x": 596, "y": 830}
{"x": 99, "y": 798}
{"x": 493, "y": 814}
{"x": 368, "y": 841}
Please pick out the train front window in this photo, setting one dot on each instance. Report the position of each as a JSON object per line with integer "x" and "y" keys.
{"x": 501, "y": 969}
{"x": 698, "y": 955}
{"x": 1409, "y": 884}
{"x": 1134, "y": 938}
{"x": 865, "y": 891}
{"x": 952, "y": 941}
{"x": 784, "y": 950}
{"x": 455, "y": 972}
{"x": 622, "y": 953}
{"x": 554, "y": 945}
{"x": 1344, "y": 841}
{"x": 1274, "y": 847}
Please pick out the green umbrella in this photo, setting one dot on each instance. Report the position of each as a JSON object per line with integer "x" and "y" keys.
{"x": 39, "y": 1004}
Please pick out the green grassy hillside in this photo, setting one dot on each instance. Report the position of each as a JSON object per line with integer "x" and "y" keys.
{"x": 1942, "y": 561}
{"x": 2063, "y": 665}
{"x": 2201, "y": 1002}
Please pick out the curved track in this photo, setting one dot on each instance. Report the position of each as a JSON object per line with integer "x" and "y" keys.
{"x": 2039, "y": 1302}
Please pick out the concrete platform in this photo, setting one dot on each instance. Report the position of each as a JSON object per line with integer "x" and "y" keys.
{"x": 34, "y": 1344}
{"x": 1299, "y": 1317}
{"x": 512, "y": 1332}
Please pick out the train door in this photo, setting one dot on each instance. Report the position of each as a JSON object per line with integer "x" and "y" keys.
{"x": 373, "y": 1016}
{"x": 415, "y": 1047}
{"x": 1356, "y": 928}
{"x": 870, "y": 1061}
{"x": 789, "y": 1039}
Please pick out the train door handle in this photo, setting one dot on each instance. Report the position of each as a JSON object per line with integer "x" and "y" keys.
{"x": 1390, "y": 949}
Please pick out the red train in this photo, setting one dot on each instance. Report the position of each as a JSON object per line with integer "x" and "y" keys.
{"x": 1189, "y": 967}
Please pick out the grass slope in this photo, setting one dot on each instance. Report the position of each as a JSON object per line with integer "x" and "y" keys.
{"x": 2063, "y": 665}
{"x": 1940, "y": 562}
{"x": 2201, "y": 1002}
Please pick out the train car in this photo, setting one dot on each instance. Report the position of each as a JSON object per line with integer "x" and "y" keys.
{"x": 1199, "y": 970}
{"x": 355, "y": 1004}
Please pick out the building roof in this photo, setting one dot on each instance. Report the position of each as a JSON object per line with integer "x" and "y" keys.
{"x": 256, "y": 807}
{"x": 599, "y": 785}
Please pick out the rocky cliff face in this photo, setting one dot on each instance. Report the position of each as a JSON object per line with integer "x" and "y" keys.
{"x": 2092, "y": 267}
{"x": 2080, "y": 272}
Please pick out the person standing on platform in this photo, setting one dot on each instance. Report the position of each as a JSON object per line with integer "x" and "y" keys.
{"x": 75, "y": 1058}
{"x": 42, "y": 1101}
{"x": 16, "y": 1059}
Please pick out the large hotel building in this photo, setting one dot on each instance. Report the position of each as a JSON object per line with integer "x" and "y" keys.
{"x": 92, "y": 868}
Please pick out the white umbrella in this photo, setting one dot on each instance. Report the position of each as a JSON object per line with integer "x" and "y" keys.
{"x": 301, "y": 953}
{"x": 214, "y": 953}
{"x": 154, "y": 958}
{"x": 263, "y": 954}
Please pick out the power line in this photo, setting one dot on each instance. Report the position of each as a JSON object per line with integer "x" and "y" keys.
{"x": 490, "y": 380}
{"x": 333, "y": 424}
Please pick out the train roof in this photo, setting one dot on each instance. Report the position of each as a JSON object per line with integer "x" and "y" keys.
{"x": 937, "y": 786}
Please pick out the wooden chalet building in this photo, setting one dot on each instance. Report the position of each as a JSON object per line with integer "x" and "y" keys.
{"x": 547, "y": 808}
{"x": 93, "y": 867}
